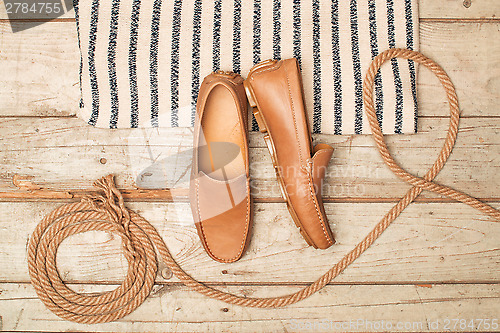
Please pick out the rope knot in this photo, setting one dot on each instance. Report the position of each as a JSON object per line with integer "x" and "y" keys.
{"x": 112, "y": 203}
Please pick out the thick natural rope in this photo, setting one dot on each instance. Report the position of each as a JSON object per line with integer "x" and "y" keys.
{"x": 141, "y": 241}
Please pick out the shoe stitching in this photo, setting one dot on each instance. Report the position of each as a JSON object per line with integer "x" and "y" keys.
{"x": 245, "y": 233}
{"x": 232, "y": 82}
{"x": 313, "y": 199}
{"x": 274, "y": 68}
{"x": 197, "y": 182}
{"x": 241, "y": 103}
{"x": 239, "y": 99}
{"x": 201, "y": 223}
{"x": 293, "y": 115}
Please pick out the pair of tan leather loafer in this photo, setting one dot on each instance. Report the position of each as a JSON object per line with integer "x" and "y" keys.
{"x": 220, "y": 180}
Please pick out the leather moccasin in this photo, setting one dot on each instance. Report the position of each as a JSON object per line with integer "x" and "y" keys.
{"x": 274, "y": 89}
{"x": 220, "y": 186}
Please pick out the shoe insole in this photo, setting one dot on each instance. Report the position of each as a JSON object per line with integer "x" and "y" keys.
{"x": 221, "y": 124}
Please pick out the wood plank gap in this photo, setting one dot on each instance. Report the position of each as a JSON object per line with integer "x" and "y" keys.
{"x": 281, "y": 284}
{"x": 460, "y": 20}
{"x": 181, "y": 195}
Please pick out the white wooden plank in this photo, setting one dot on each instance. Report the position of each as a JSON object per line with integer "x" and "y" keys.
{"x": 475, "y": 76}
{"x": 457, "y": 9}
{"x": 429, "y": 242}
{"x": 356, "y": 172}
{"x": 68, "y": 155}
{"x": 412, "y": 308}
{"x": 73, "y": 132}
{"x": 40, "y": 68}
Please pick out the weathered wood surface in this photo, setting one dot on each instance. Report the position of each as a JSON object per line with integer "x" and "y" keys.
{"x": 20, "y": 133}
{"x": 173, "y": 308}
{"x": 437, "y": 261}
{"x": 40, "y": 68}
{"x": 67, "y": 155}
{"x": 429, "y": 243}
{"x": 457, "y": 9}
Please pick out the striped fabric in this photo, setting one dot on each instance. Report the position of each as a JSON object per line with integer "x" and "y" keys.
{"x": 142, "y": 61}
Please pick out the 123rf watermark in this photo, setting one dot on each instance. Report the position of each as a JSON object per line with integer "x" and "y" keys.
{"x": 363, "y": 325}
{"x": 25, "y": 14}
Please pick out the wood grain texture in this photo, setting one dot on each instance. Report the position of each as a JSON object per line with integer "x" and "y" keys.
{"x": 437, "y": 261}
{"x": 429, "y": 243}
{"x": 40, "y": 69}
{"x": 72, "y": 132}
{"x": 455, "y": 9}
{"x": 68, "y": 155}
{"x": 173, "y": 308}
{"x": 456, "y": 47}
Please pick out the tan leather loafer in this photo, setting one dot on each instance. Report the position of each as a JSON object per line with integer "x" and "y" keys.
{"x": 220, "y": 186}
{"x": 274, "y": 90}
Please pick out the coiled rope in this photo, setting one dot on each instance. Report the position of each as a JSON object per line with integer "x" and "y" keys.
{"x": 142, "y": 243}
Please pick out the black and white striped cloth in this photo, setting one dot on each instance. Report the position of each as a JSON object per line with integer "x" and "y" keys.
{"x": 142, "y": 61}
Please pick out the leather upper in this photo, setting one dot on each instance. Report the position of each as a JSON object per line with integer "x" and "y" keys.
{"x": 220, "y": 187}
{"x": 278, "y": 93}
